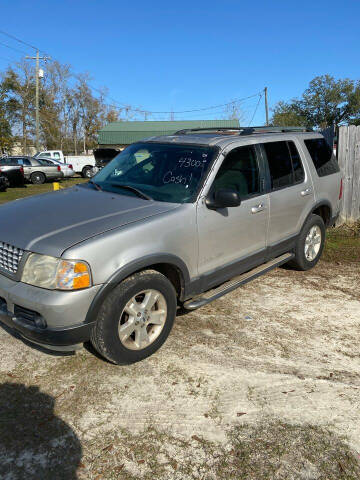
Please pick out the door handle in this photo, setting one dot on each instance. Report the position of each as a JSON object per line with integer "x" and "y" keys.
{"x": 258, "y": 208}
{"x": 307, "y": 191}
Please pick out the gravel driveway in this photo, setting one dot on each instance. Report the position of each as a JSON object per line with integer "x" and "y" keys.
{"x": 263, "y": 383}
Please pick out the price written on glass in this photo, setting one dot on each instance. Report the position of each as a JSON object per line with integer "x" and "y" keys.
{"x": 190, "y": 162}
{"x": 169, "y": 177}
{"x": 186, "y": 164}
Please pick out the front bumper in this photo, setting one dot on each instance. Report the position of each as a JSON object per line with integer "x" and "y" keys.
{"x": 47, "y": 317}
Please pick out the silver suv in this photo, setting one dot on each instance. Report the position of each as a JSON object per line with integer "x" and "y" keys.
{"x": 171, "y": 223}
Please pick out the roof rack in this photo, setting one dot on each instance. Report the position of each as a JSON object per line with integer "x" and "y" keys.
{"x": 243, "y": 130}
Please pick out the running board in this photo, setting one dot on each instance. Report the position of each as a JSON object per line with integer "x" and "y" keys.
{"x": 236, "y": 282}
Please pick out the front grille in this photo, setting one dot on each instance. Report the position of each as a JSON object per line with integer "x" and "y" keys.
{"x": 10, "y": 257}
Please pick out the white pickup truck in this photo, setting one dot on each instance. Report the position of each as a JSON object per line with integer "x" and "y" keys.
{"x": 82, "y": 164}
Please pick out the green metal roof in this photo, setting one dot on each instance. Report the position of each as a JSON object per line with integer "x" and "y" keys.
{"x": 124, "y": 133}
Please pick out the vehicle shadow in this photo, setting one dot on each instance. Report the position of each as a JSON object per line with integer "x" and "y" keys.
{"x": 34, "y": 442}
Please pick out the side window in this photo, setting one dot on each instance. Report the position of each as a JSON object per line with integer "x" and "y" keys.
{"x": 280, "y": 166}
{"x": 322, "y": 156}
{"x": 239, "y": 171}
{"x": 299, "y": 174}
{"x": 27, "y": 162}
{"x": 56, "y": 155}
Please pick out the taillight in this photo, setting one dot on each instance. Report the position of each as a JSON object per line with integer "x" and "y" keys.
{"x": 70, "y": 166}
{"x": 59, "y": 168}
{"x": 341, "y": 189}
{"x": 22, "y": 170}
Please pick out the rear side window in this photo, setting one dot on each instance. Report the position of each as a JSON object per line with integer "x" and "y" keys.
{"x": 284, "y": 164}
{"x": 298, "y": 169}
{"x": 322, "y": 156}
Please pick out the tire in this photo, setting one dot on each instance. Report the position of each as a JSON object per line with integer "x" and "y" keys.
{"x": 112, "y": 317}
{"x": 37, "y": 178}
{"x": 303, "y": 261}
{"x": 3, "y": 184}
{"x": 86, "y": 172}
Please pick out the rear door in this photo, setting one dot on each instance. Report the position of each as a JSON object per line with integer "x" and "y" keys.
{"x": 232, "y": 240}
{"x": 49, "y": 169}
{"x": 291, "y": 192}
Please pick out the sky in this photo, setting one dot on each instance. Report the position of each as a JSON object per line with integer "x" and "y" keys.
{"x": 174, "y": 56}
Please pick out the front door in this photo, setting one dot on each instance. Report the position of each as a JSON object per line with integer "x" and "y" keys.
{"x": 233, "y": 240}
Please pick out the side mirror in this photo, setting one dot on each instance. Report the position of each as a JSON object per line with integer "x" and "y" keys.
{"x": 223, "y": 198}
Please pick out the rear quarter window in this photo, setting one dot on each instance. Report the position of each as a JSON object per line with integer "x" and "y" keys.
{"x": 322, "y": 156}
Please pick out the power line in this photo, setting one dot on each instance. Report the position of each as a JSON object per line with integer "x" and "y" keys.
{"x": 213, "y": 107}
{"x": 18, "y": 40}
{"x": 257, "y": 105}
{"x": 12, "y": 48}
{"x": 127, "y": 107}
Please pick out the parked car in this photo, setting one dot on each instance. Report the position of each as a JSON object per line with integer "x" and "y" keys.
{"x": 66, "y": 169}
{"x": 13, "y": 175}
{"x": 172, "y": 222}
{"x": 36, "y": 170}
{"x": 82, "y": 164}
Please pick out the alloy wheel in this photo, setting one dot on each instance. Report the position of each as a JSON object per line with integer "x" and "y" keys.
{"x": 142, "y": 319}
{"x": 312, "y": 243}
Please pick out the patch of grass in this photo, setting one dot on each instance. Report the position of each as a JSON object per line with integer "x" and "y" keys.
{"x": 282, "y": 451}
{"x": 269, "y": 450}
{"x": 342, "y": 244}
{"x": 29, "y": 189}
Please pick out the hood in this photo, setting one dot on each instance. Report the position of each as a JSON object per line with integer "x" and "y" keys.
{"x": 53, "y": 222}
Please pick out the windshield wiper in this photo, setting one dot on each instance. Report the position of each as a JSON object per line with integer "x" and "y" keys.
{"x": 138, "y": 192}
{"x": 96, "y": 185}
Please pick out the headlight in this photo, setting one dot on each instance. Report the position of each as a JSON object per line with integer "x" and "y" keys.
{"x": 56, "y": 274}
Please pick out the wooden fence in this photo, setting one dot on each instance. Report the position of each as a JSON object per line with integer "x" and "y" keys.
{"x": 348, "y": 154}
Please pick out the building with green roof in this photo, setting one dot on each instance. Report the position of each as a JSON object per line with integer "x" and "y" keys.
{"x": 121, "y": 134}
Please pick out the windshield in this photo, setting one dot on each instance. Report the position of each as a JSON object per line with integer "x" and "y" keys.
{"x": 163, "y": 172}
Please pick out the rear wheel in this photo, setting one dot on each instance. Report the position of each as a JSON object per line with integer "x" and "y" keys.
{"x": 136, "y": 318}
{"x": 3, "y": 184}
{"x": 310, "y": 244}
{"x": 86, "y": 172}
{"x": 37, "y": 178}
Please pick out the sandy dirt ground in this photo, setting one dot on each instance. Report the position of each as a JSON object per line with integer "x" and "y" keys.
{"x": 263, "y": 383}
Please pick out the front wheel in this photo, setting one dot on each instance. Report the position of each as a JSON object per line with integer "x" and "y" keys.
{"x": 310, "y": 244}
{"x": 136, "y": 318}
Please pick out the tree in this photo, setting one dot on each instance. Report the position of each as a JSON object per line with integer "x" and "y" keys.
{"x": 325, "y": 102}
{"x": 286, "y": 114}
{"x": 19, "y": 83}
{"x": 53, "y": 112}
{"x": 6, "y": 137}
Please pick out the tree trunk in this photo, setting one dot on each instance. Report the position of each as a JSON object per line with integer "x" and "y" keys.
{"x": 24, "y": 146}
{"x": 75, "y": 140}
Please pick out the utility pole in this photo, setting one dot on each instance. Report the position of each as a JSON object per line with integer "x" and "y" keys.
{"x": 266, "y": 106}
{"x": 37, "y": 122}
